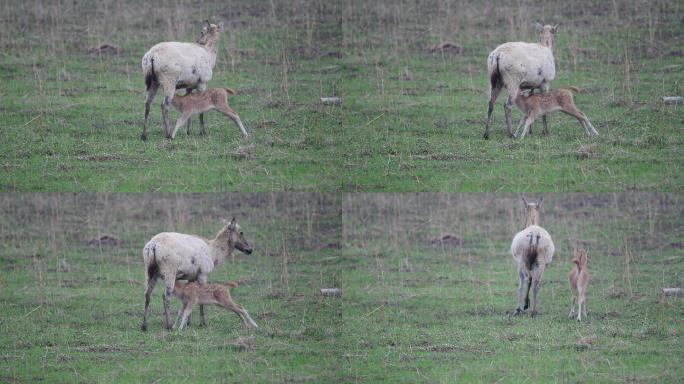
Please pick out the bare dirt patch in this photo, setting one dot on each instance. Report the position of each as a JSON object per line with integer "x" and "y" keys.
{"x": 448, "y": 240}
{"x": 447, "y": 47}
{"x": 105, "y": 49}
{"x": 103, "y": 240}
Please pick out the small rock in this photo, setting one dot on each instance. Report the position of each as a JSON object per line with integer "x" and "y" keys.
{"x": 330, "y": 291}
{"x": 672, "y": 291}
{"x": 331, "y": 100}
{"x": 672, "y": 99}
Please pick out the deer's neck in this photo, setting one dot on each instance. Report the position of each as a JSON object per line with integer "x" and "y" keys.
{"x": 221, "y": 246}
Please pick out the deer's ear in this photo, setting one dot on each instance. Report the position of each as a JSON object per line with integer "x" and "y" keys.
{"x": 220, "y": 26}
{"x": 538, "y": 27}
{"x": 555, "y": 28}
{"x": 539, "y": 204}
{"x": 524, "y": 200}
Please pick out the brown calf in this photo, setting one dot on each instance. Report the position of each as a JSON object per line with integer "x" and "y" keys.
{"x": 560, "y": 99}
{"x": 579, "y": 278}
{"x": 191, "y": 294}
{"x": 198, "y": 103}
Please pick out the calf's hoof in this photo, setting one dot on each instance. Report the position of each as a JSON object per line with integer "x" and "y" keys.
{"x": 517, "y": 312}
{"x": 143, "y": 137}
{"x": 485, "y": 136}
{"x": 143, "y": 328}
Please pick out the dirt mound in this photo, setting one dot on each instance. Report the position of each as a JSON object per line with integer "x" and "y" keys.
{"x": 104, "y": 240}
{"x": 448, "y": 240}
{"x": 447, "y": 47}
{"x": 105, "y": 49}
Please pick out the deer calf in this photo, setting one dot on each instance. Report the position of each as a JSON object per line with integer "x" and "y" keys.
{"x": 197, "y": 103}
{"x": 191, "y": 294}
{"x": 579, "y": 278}
{"x": 560, "y": 99}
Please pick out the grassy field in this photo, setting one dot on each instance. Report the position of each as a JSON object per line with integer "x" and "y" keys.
{"x": 410, "y": 119}
{"x": 72, "y": 309}
{"x": 417, "y": 310}
{"x": 411, "y": 309}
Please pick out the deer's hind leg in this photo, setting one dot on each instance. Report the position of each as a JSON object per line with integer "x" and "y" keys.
{"x": 573, "y": 299}
{"x": 573, "y": 111}
{"x": 151, "y": 281}
{"x": 536, "y": 280}
{"x": 169, "y": 91}
{"x": 169, "y": 282}
{"x": 149, "y": 97}
{"x": 513, "y": 92}
{"x": 225, "y": 301}
{"x": 228, "y": 111}
{"x": 521, "y": 285}
{"x": 582, "y": 308}
{"x": 495, "y": 86}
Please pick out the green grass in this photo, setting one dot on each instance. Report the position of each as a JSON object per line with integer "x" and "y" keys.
{"x": 410, "y": 120}
{"x": 420, "y": 312}
{"x": 72, "y": 312}
{"x": 410, "y": 310}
